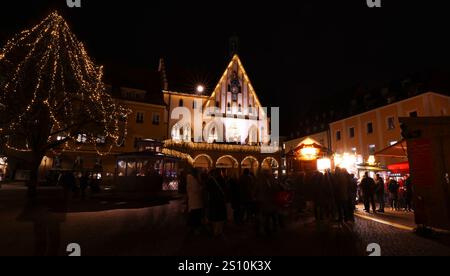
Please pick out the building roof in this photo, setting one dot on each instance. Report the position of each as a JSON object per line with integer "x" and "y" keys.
{"x": 146, "y": 79}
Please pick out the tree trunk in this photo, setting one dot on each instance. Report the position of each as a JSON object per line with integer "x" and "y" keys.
{"x": 34, "y": 175}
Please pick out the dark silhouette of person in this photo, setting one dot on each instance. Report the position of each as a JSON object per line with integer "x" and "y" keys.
{"x": 409, "y": 194}
{"x": 380, "y": 192}
{"x": 368, "y": 189}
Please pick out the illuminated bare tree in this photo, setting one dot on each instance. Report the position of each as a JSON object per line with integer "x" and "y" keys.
{"x": 51, "y": 94}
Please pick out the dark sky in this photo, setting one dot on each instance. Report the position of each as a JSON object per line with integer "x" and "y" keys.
{"x": 295, "y": 52}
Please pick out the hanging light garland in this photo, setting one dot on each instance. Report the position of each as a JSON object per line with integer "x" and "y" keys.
{"x": 48, "y": 71}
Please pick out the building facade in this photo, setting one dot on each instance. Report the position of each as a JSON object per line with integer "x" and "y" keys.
{"x": 369, "y": 132}
{"x": 227, "y": 129}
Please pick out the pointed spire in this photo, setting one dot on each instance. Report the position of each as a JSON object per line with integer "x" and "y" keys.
{"x": 234, "y": 45}
{"x": 163, "y": 74}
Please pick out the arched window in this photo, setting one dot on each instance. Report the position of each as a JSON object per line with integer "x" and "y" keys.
{"x": 229, "y": 107}
{"x": 181, "y": 103}
{"x": 240, "y": 108}
{"x": 250, "y": 109}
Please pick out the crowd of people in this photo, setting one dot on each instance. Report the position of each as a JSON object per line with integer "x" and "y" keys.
{"x": 76, "y": 184}
{"x": 220, "y": 196}
{"x": 333, "y": 194}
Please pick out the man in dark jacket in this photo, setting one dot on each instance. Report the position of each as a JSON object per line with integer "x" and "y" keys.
{"x": 380, "y": 192}
{"x": 368, "y": 189}
{"x": 393, "y": 191}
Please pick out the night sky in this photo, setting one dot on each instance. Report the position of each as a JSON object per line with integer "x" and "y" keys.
{"x": 295, "y": 52}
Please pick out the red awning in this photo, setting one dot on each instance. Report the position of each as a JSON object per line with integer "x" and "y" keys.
{"x": 401, "y": 168}
{"x": 399, "y": 150}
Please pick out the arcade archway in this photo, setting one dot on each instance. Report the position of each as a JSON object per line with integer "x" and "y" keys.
{"x": 270, "y": 163}
{"x": 250, "y": 163}
{"x": 203, "y": 161}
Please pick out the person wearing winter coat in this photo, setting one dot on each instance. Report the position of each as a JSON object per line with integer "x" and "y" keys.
{"x": 194, "y": 200}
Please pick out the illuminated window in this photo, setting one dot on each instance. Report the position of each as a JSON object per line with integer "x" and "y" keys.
{"x": 101, "y": 140}
{"x": 82, "y": 138}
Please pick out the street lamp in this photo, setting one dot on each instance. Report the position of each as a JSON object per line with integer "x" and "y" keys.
{"x": 200, "y": 89}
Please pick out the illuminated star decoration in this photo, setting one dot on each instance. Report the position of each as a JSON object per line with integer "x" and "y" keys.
{"x": 54, "y": 94}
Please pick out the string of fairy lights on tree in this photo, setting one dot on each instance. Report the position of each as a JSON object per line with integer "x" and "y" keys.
{"x": 49, "y": 81}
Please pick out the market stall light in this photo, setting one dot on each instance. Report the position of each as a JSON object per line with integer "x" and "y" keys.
{"x": 371, "y": 161}
{"x": 346, "y": 161}
{"x": 323, "y": 164}
{"x": 309, "y": 153}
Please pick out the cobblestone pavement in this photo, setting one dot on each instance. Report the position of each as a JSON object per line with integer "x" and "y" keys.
{"x": 125, "y": 228}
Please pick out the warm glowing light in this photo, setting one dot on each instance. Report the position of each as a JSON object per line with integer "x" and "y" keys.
{"x": 63, "y": 71}
{"x": 200, "y": 89}
{"x": 323, "y": 164}
{"x": 371, "y": 161}
{"x": 346, "y": 161}
{"x": 309, "y": 153}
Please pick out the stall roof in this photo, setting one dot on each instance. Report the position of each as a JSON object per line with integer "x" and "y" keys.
{"x": 398, "y": 150}
{"x": 370, "y": 168}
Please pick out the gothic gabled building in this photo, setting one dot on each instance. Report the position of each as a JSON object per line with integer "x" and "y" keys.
{"x": 228, "y": 128}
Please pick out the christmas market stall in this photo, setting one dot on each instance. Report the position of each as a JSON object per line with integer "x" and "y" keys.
{"x": 148, "y": 170}
{"x": 308, "y": 156}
